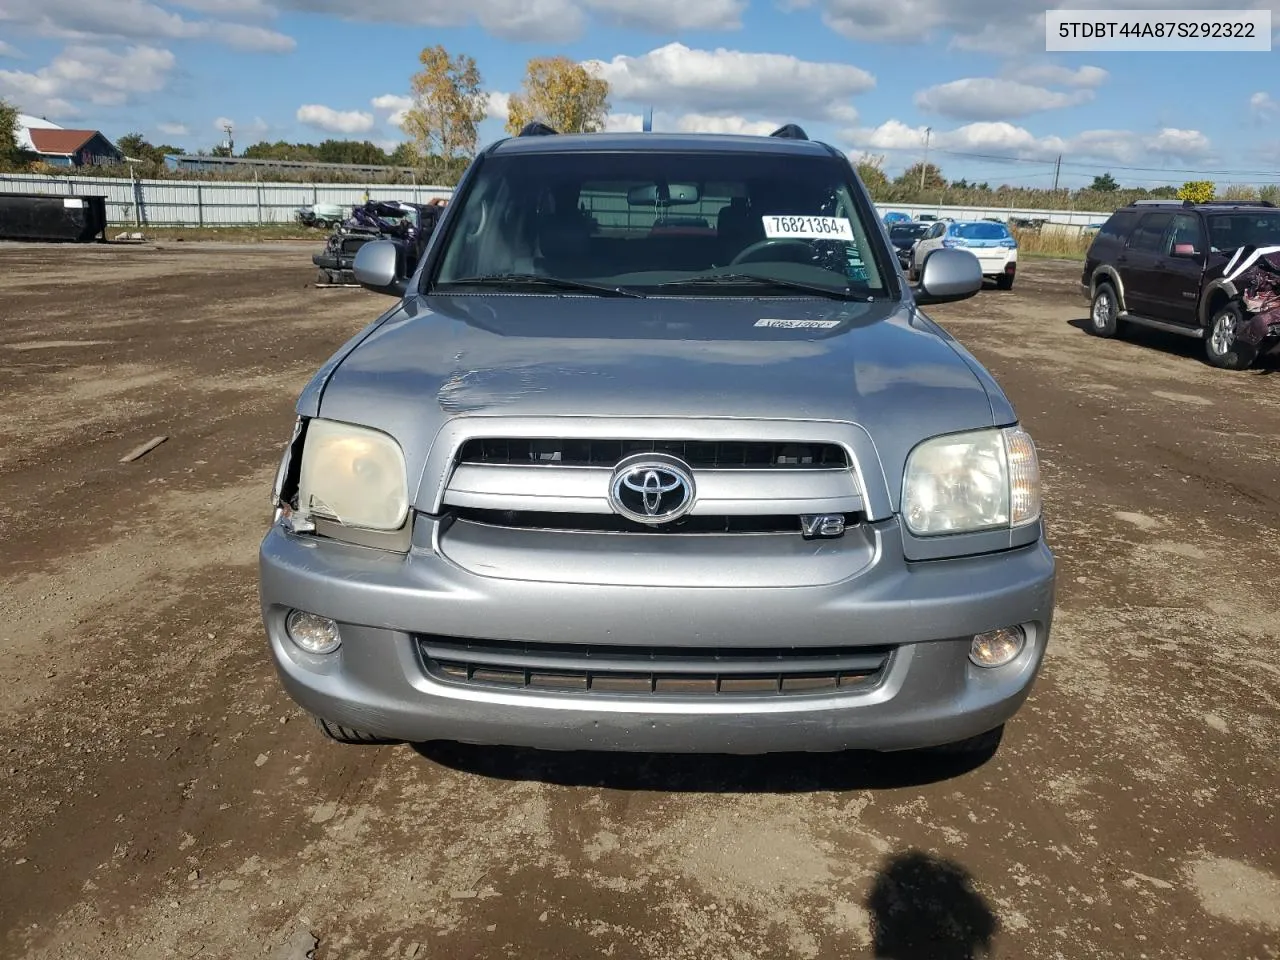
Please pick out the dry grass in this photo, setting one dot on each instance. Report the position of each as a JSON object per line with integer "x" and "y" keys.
{"x": 1059, "y": 244}
{"x": 249, "y": 234}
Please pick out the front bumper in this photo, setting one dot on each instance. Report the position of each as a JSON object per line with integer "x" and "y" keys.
{"x": 929, "y": 693}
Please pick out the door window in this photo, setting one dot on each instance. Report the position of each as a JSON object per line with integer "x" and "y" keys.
{"x": 1184, "y": 236}
{"x": 1150, "y": 235}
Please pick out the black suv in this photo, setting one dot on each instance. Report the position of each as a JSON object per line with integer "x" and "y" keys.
{"x": 1161, "y": 264}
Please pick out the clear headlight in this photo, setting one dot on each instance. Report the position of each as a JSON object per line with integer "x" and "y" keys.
{"x": 354, "y": 476}
{"x": 969, "y": 482}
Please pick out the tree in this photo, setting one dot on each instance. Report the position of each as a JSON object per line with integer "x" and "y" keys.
{"x": 404, "y": 155}
{"x": 1241, "y": 191}
{"x": 9, "y": 152}
{"x": 1197, "y": 191}
{"x": 933, "y": 178}
{"x": 352, "y": 151}
{"x": 1105, "y": 184}
{"x": 134, "y": 146}
{"x": 871, "y": 171}
{"x": 447, "y": 104}
{"x": 562, "y": 94}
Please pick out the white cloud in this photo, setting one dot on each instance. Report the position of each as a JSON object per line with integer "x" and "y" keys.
{"x": 254, "y": 39}
{"x": 228, "y": 8}
{"x": 1000, "y": 27}
{"x": 1263, "y": 105}
{"x": 246, "y": 133}
{"x": 95, "y": 20}
{"x": 671, "y": 16}
{"x": 623, "y": 122}
{"x": 335, "y": 121}
{"x": 528, "y": 20}
{"x": 496, "y": 109}
{"x": 174, "y": 129}
{"x": 89, "y": 73}
{"x": 1055, "y": 75}
{"x": 701, "y": 123}
{"x": 394, "y": 106}
{"x": 9, "y": 50}
{"x": 537, "y": 20}
{"x": 675, "y": 77}
{"x": 391, "y": 102}
{"x": 1008, "y": 140}
{"x": 989, "y": 98}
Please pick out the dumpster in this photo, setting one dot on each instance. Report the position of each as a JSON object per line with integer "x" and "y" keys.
{"x": 44, "y": 216}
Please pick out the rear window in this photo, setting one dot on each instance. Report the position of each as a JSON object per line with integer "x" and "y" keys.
{"x": 980, "y": 231}
{"x": 907, "y": 231}
{"x": 1118, "y": 226}
{"x": 647, "y": 219}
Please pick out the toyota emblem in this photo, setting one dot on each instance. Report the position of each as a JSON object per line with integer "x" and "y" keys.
{"x": 651, "y": 488}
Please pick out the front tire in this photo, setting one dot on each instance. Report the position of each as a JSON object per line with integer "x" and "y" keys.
{"x": 983, "y": 745}
{"x": 1222, "y": 347}
{"x": 1104, "y": 313}
{"x": 343, "y": 734}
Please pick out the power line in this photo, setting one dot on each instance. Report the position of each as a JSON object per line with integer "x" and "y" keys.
{"x": 1080, "y": 164}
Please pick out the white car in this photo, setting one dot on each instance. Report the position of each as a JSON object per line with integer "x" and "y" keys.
{"x": 992, "y": 243}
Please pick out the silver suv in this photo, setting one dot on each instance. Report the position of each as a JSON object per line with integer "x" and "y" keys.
{"x": 656, "y": 452}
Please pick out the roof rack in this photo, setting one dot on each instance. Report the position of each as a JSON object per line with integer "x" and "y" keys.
{"x": 1204, "y": 203}
{"x": 790, "y": 131}
{"x": 536, "y": 129}
{"x": 1237, "y": 203}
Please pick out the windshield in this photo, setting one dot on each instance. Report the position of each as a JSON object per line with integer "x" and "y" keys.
{"x": 908, "y": 231}
{"x": 980, "y": 231}
{"x": 1228, "y": 231}
{"x": 662, "y": 223}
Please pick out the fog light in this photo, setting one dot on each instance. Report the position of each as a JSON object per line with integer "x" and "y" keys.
{"x": 997, "y": 647}
{"x": 313, "y": 633}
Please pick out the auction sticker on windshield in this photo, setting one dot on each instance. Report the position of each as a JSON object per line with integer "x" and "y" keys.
{"x": 808, "y": 228}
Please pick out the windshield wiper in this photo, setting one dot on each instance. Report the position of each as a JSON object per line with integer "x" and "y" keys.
{"x": 562, "y": 283}
{"x": 735, "y": 279}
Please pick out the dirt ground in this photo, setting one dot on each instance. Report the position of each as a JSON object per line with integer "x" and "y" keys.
{"x": 161, "y": 797}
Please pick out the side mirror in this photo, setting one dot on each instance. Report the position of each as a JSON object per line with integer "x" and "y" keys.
{"x": 375, "y": 268}
{"x": 948, "y": 275}
{"x": 1186, "y": 251}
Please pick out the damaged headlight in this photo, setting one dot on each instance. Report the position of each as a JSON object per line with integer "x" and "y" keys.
{"x": 970, "y": 482}
{"x": 354, "y": 476}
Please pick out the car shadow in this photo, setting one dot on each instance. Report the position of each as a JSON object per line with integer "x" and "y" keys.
{"x": 778, "y": 773}
{"x": 1178, "y": 345}
{"x": 925, "y": 907}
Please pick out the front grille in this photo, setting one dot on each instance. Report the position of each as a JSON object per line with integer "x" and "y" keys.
{"x": 613, "y": 523}
{"x": 701, "y": 455}
{"x": 623, "y": 671}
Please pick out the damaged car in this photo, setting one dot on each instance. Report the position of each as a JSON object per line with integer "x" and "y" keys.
{"x": 1202, "y": 270}
{"x": 406, "y": 225}
{"x": 322, "y": 214}
{"x": 590, "y": 483}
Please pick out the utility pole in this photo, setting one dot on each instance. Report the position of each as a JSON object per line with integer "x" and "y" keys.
{"x": 1056, "y": 171}
{"x": 925, "y": 166}
{"x": 231, "y": 144}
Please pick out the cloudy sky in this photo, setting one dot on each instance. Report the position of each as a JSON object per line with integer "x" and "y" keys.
{"x": 866, "y": 75}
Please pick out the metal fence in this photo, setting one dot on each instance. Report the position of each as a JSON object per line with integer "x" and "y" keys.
{"x": 206, "y": 203}
{"x": 222, "y": 203}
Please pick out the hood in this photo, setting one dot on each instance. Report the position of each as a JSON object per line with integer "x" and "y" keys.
{"x": 880, "y": 365}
